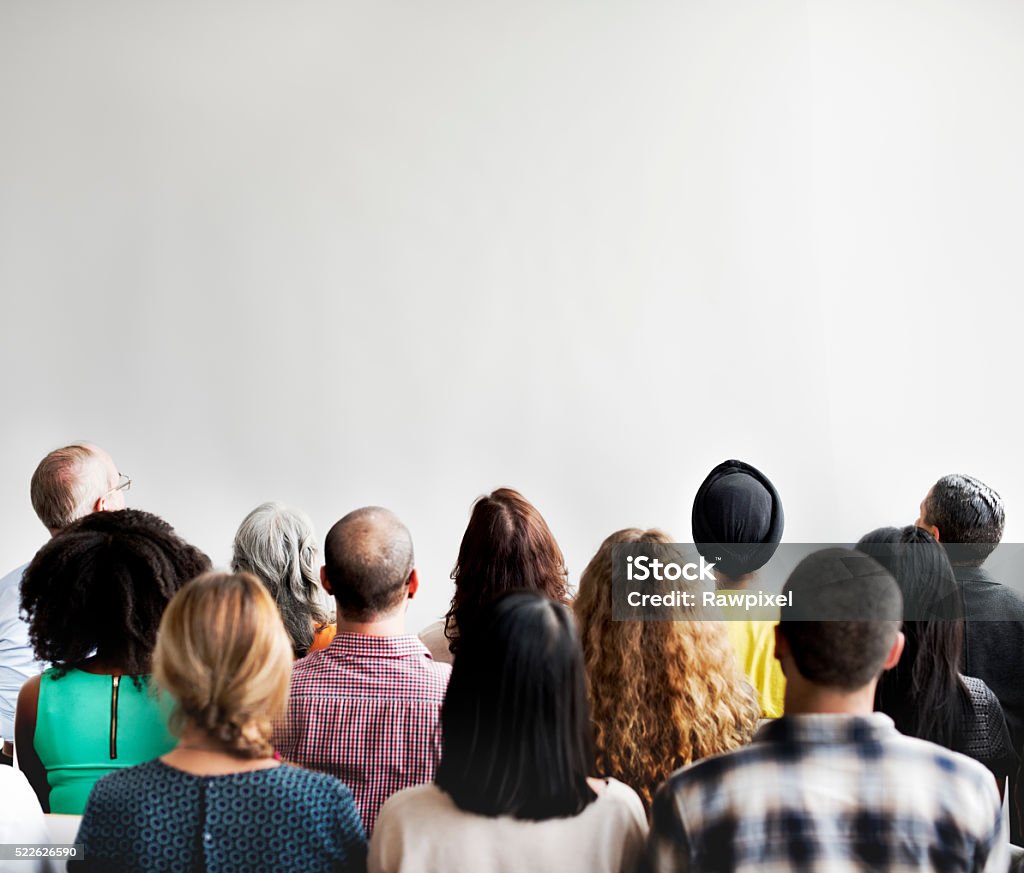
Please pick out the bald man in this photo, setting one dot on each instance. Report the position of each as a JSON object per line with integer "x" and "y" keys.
{"x": 367, "y": 708}
{"x": 69, "y": 483}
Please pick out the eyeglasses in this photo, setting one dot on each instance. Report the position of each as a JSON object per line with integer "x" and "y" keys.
{"x": 123, "y": 484}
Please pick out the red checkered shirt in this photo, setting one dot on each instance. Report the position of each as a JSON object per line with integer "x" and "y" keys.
{"x": 368, "y": 711}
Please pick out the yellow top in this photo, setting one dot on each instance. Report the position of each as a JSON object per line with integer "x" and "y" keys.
{"x": 754, "y": 643}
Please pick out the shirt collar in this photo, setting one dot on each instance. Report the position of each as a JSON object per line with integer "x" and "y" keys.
{"x": 366, "y": 646}
{"x": 973, "y": 574}
{"x": 827, "y": 728}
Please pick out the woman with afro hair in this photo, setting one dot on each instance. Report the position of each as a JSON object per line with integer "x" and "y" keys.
{"x": 94, "y": 596}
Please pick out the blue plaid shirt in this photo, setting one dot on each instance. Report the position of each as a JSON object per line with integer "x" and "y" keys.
{"x": 830, "y": 793}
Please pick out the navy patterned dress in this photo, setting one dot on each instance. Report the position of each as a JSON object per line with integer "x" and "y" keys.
{"x": 157, "y": 818}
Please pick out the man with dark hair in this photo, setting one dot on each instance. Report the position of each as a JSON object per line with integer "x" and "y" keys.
{"x": 367, "y": 708}
{"x": 369, "y": 566}
{"x": 967, "y": 517}
{"x": 832, "y": 785}
{"x": 69, "y": 483}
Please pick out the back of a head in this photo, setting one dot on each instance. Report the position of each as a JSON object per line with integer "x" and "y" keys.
{"x": 277, "y": 544}
{"x": 845, "y": 617}
{"x": 368, "y": 559}
{"x": 224, "y": 657}
{"x": 922, "y": 692}
{"x": 593, "y": 601}
{"x": 68, "y": 482}
{"x": 663, "y": 693}
{"x": 507, "y": 546}
{"x": 969, "y": 516}
{"x": 515, "y": 721}
{"x": 101, "y": 585}
{"x": 611, "y": 646}
{"x": 921, "y": 569}
{"x": 737, "y": 516}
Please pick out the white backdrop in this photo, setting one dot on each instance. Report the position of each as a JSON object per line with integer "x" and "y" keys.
{"x": 371, "y": 251}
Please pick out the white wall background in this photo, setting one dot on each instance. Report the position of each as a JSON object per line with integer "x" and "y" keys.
{"x": 373, "y": 251}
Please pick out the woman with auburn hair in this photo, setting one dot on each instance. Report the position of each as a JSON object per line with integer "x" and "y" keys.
{"x": 662, "y": 693}
{"x": 220, "y": 800}
{"x": 507, "y": 546}
{"x": 514, "y": 790}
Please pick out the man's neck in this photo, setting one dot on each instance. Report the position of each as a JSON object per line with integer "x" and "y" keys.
{"x": 965, "y": 565}
{"x": 803, "y": 698}
{"x": 384, "y": 626}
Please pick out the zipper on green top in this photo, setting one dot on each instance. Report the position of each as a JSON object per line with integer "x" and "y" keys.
{"x": 115, "y": 683}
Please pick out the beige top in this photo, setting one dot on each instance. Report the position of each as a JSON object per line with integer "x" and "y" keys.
{"x": 432, "y": 636}
{"x": 421, "y": 830}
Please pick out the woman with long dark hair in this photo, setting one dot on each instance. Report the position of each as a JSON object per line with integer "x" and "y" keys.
{"x": 507, "y": 546}
{"x": 514, "y": 790}
{"x": 925, "y": 693}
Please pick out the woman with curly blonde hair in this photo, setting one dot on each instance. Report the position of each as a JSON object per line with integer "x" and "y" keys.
{"x": 663, "y": 693}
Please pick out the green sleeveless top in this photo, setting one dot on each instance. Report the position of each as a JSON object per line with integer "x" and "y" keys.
{"x": 88, "y": 725}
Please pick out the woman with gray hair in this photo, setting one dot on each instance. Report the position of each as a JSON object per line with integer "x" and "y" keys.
{"x": 277, "y": 544}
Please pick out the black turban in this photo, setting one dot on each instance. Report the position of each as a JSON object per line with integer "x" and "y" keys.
{"x": 738, "y": 518}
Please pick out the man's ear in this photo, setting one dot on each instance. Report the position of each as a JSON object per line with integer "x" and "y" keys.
{"x": 932, "y": 529}
{"x": 894, "y": 653}
{"x": 325, "y": 581}
{"x": 783, "y": 653}
{"x": 413, "y": 584}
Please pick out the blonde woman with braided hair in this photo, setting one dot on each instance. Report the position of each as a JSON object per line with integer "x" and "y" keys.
{"x": 221, "y": 800}
{"x": 663, "y": 693}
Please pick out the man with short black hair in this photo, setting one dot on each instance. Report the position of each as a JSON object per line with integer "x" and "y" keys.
{"x": 832, "y": 785}
{"x": 367, "y": 708}
{"x": 967, "y": 517}
{"x": 69, "y": 483}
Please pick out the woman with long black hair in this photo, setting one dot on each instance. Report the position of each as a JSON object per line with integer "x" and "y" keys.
{"x": 925, "y": 693}
{"x": 514, "y": 789}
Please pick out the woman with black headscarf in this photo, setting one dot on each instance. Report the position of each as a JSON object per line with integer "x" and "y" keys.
{"x": 737, "y": 523}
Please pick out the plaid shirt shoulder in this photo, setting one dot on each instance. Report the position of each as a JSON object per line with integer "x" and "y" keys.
{"x": 367, "y": 710}
{"x": 830, "y": 793}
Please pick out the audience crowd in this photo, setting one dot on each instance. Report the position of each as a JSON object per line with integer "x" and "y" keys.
{"x": 281, "y": 716}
